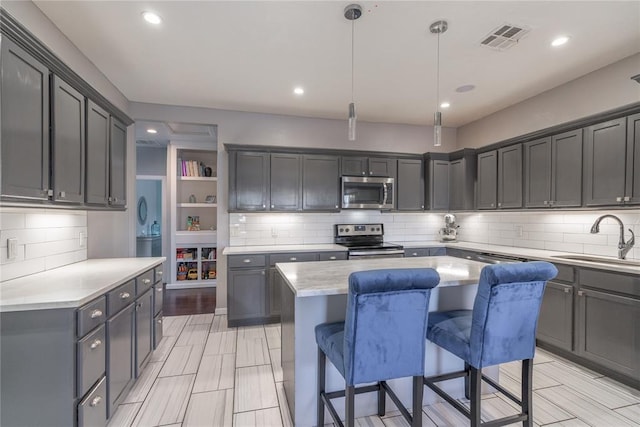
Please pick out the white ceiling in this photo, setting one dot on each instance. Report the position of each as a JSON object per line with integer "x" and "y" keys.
{"x": 248, "y": 56}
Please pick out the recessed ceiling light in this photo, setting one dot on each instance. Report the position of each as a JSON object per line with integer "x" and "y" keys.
{"x": 559, "y": 41}
{"x": 445, "y": 105}
{"x": 465, "y": 88}
{"x": 150, "y": 130}
{"x": 151, "y": 18}
{"x": 298, "y": 91}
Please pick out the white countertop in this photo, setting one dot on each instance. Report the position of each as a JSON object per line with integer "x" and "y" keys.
{"x": 308, "y": 279}
{"x": 71, "y": 286}
{"x": 244, "y": 250}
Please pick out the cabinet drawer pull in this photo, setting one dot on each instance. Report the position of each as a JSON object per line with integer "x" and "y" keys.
{"x": 332, "y": 258}
{"x": 159, "y": 321}
{"x": 96, "y": 313}
{"x": 96, "y": 344}
{"x": 293, "y": 258}
{"x": 580, "y": 293}
{"x": 414, "y": 254}
{"x": 95, "y": 401}
{"x": 158, "y": 289}
{"x": 146, "y": 281}
{"x": 159, "y": 273}
{"x": 246, "y": 261}
{"x": 567, "y": 290}
{"x": 125, "y": 295}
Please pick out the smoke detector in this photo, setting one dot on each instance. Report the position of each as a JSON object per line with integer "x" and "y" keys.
{"x": 504, "y": 36}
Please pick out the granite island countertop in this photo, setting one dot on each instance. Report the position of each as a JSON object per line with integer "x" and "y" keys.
{"x": 317, "y": 278}
{"x": 73, "y": 285}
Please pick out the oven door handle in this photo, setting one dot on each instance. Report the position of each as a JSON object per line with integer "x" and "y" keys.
{"x": 365, "y": 253}
{"x": 385, "y": 194}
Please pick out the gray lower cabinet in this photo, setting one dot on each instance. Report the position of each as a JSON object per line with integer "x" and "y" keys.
{"x": 510, "y": 177}
{"x": 605, "y": 163}
{"x": 67, "y": 142}
{"x": 143, "y": 325}
{"x": 320, "y": 182}
{"x": 486, "y": 195}
{"x": 423, "y": 252}
{"x": 117, "y": 164}
{"x": 274, "y": 304}
{"x": 248, "y": 180}
{"x": 92, "y": 410}
{"x": 158, "y": 321}
{"x": 410, "y": 185}
{"x": 97, "y": 157}
{"x": 555, "y": 322}
{"x": 25, "y": 125}
{"x": 120, "y": 372}
{"x": 286, "y": 182}
{"x": 333, "y": 256}
{"x": 246, "y": 295}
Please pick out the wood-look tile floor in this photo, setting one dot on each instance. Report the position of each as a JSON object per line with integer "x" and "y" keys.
{"x": 205, "y": 374}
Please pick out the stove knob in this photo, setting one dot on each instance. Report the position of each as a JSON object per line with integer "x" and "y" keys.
{"x": 341, "y": 230}
{"x": 346, "y": 229}
{"x": 378, "y": 229}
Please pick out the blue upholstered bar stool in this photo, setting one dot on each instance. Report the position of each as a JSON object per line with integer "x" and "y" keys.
{"x": 501, "y": 328}
{"x": 382, "y": 337}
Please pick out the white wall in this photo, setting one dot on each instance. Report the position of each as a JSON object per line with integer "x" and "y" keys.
{"x": 604, "y": 89}
{"x": 47, "y": 238}
{"x": 151, "y": 161}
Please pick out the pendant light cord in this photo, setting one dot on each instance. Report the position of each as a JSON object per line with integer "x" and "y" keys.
{"x": 352, "y": 50}
{"x": 438, "y": 74}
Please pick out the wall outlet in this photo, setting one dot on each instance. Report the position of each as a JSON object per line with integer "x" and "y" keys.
{"x": 274, "y": 232}
{"x": 12, "y": 248}
{"x": 82, "y": 239}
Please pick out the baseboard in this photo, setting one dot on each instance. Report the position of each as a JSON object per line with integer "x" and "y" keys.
{"x": 220, "y": 311}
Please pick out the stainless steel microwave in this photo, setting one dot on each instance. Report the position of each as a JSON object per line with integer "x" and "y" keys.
{"x": 359, "y": 192}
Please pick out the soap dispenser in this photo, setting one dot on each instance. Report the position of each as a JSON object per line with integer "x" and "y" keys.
{"x": 155, "y": 228}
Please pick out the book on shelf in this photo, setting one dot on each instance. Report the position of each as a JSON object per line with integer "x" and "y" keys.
{"x": 191, "y": 168}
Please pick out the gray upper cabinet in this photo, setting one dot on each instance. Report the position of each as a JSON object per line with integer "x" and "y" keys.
{"x": 438, "y": 185}
{"x": 286, "y": 182}
{"x": 25, "y": 125}
{"x": 632, "y": 188}
{"x": 462, "y": 176}
{"x": 410, "y": 185}
{"x": 553, "y": 171}
{"x": 510, "y": 177}
{"x": 320, "y": 182}
{"x": 68, "y": 142}
{"x": 605, "y": 163}
{"x": 97, "y": 158}
{"x": 249, "y": 181}
{"x": 368, "y": 166}
{"x": 117, "y": 163}
{"x": 486, "y": 197}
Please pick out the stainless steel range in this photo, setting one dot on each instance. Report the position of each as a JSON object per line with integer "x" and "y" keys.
{"x": 366, "y": 241}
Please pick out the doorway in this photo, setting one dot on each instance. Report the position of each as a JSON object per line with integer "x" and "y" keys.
{"x": 150, "y": 214}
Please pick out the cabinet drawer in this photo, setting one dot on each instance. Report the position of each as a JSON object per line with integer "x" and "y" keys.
{"x": 611, "y": 281}
{"x": 158, "y": 294}
{"x": 437, "y": 251}
{"x": 239, "y": 261}
{"x": 332, "y": 256}
{"x": 120, "y": 297}
{"x": 91, "y": 360}
{"x": 144, "y": 282}
{"x": 92, "y": 410}
{"x": 91, "y": 315}
{"x": 302, "y": 257}
{"x": 416, "y": 252}
{"x": 159, "y": 273}
{"x": 157, "y": 330}
{"x": 566, "y": 274}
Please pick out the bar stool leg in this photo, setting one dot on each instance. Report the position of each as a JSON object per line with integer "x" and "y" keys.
{"x": 466, "y": 381}
{"x": 349, "y": 416}
{"x": 418, "y": 389}
{"x": 321, "y": 384}
{"x": 527, "y": 396}
{"x": 475, "y": 390}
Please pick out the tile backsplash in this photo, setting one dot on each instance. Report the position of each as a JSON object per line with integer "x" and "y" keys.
{"x": 566, "y": 231}
{"x": 46, "y": 239}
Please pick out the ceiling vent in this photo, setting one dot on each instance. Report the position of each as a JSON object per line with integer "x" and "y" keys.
{"x": 504, "y": 36}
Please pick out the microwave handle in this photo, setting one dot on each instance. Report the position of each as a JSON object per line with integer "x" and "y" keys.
{"x": 386, "y": 193}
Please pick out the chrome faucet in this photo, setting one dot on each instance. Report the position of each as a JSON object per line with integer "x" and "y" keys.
{"x": 623, "y": 247}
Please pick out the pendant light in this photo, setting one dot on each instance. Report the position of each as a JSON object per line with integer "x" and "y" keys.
{"x": 438, "y": 27}
{"x": 352, "y": 12}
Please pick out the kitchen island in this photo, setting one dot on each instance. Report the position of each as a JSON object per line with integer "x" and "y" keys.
{"x": 316, "y": 292}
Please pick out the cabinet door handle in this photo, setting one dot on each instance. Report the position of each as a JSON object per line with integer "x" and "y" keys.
{"x": 618, "y": 199}
{"x": 47, "y": 192}
{"x": 293, "y": 258}
{"x": 567, "y": 290}
{"x": 158, "y": 289}
{"x": 370, "y": 172}
{"x": 546, "y": 202}
{"x": 96, "y": 313}
{"x": 264, "y": 206}
{"x": 499, "y": 204}
{"x": 580, "y": 293}
{"x": 422, "y": 207}
{"x": 62, "y": 194}
{"x": 160, "y": 321}
{"x": 246, "y": 261}
{"x": 336, "y": 206}
{"x": 146, "y": 281}
{"x": 332, "y": 258}
{"x": 95, "y": 401}
{"x": 262, "y": 272}
{"x": 414, "y": 254}
{"x": 491, "y": 204}
{"x": 627, "y": 198}
{"x": 96, "y": 344}
{"x": 273, "y": 206}
{"x": 125, "y": 295}
{"x": 364, "y": 173}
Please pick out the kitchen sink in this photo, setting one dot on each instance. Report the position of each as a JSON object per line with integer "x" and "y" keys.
{"x": 602, "y": 260}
